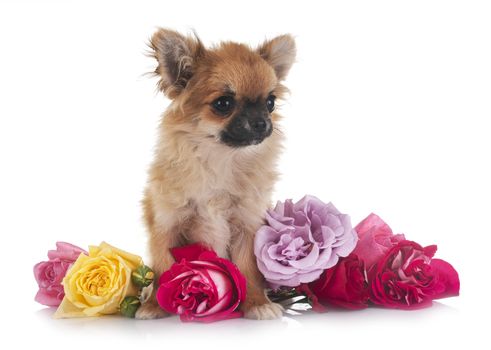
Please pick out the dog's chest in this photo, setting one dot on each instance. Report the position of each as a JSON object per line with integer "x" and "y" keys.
{"x": 215, "y": 175}
{"x": 219, "y": 186}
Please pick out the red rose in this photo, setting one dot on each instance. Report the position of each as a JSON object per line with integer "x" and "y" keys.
{"x": 344, "y": 285}
{"x": 407, "y": 277}
{"x": 201, "y": 286}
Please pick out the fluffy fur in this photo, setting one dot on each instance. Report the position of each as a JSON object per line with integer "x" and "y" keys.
{"x": 199, "y": 189}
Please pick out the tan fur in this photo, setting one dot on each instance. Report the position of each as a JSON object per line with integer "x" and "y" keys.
{"x": 200, "y": 190}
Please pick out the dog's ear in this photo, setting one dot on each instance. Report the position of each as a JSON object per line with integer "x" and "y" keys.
{"x": 176, "y": 56}
{"x": 279, "y": 53}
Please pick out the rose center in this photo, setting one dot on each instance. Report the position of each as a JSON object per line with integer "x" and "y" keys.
{"x": 296, "y": 249}
{"x": 98, "y": 285}
{"x": 194, "y": 296}
{"x": 50, "y": 274}
{"x": 96, "y": 282}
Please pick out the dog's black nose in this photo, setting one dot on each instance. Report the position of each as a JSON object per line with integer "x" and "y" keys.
{"x": 258, "y": 125}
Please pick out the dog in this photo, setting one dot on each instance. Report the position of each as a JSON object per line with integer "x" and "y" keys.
{"x": 215, "y": 163}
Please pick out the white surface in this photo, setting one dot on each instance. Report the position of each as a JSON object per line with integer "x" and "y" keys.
{"x": 389, "y": 113}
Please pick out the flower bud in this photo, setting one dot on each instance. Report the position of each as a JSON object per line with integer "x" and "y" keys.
{"x": 143, "y": 276}
{"x": 129, "y": 305}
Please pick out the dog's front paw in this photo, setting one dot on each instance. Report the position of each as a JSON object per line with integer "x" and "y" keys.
{"x": 268, "y": 311}
{"x": 150, "y": 311}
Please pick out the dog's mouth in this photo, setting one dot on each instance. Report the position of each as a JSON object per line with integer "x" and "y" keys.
{"x": 235, "y": 141}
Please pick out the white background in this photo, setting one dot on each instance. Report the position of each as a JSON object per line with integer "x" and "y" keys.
{"x": 389, "y": 113}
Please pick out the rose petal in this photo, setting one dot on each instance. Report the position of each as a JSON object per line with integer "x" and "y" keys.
{"x": 309, "y": 260}
{"x": 45, "y": 297}
{"x": 65, "y": 251}
{"x": 447, "y": 277}
{"x": 189, "y": 252}
{"x": 278, "y": 221}
{"x": 264, "y": 236}
{"x": 274, "y": 266}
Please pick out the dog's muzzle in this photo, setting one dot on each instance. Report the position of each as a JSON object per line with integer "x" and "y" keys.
{"x": 249, "y": 127}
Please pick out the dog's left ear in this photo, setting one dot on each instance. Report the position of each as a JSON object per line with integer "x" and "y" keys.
{"x": 279, "y": 53}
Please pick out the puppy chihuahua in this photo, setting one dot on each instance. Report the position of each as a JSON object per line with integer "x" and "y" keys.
{"x": 215, "y": 162}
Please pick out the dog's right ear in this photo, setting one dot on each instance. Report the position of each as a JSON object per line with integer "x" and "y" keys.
{"x": 176, "y": 56}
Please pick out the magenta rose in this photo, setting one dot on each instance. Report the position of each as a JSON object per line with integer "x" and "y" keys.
{"x": 49, "y": 274}
{"x": 375, "y": 239}
{"x": 301, "y": 240}
{"x": 201, "y": 286}
{"x": 344, "y": 285}
{"x": 408, "y": 278}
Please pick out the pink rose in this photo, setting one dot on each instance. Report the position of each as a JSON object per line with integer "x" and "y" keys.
{"x": 201, "y": 286}
{"x": 49, "y": 274}
{"x": 375, "y": 239}
{"x": 343, "y": 285}
{"x": 408, "y": 278}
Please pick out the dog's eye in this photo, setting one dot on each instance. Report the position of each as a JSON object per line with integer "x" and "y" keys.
{"x": 224, "y": 104}
{"x": 270, "y": 103}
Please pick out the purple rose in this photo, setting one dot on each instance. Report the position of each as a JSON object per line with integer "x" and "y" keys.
{"x": 301, "y": 240}
{"x": 49, "y": 274}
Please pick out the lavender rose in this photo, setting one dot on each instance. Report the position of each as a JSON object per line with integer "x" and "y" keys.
{"x": 301, "y": 240}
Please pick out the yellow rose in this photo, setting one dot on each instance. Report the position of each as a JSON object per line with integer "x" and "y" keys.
{"x": 97, "y": 284}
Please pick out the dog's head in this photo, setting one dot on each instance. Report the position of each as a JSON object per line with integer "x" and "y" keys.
{"x": 226, "y": 93}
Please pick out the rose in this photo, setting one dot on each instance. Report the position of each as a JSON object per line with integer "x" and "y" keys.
{"x": 407, "y": 277}
{"x": 375, "y": 239}
{"x": 97, "y": 284}
{"x": 344, "y": 285}
{"x": 401, "y": 273}
{"x": 49, "y": 274}
{"x": 301, "y": 240}
{"x": 201, "y": 286}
